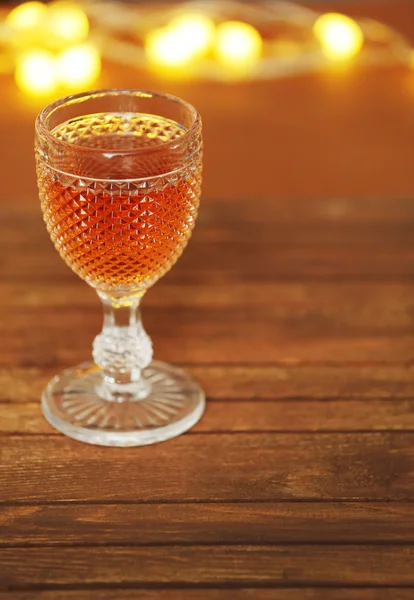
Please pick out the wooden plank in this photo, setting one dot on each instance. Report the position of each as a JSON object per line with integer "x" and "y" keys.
{"x": 280, "y": 220}
{"x": 256, "y": 416}
{"x": 305, "y": 381}
{"x": 238, "y": 566}
{"x": 271, "y": 246}
{"x": 231, "y": 262}
{"x": 282, "y": 381}
{"x": 315, "y": 416}
{"x": 217, "y": 594}
{"x": 365, "y": 330}
{"x": 269, "y": 296}
{"x": 279, "y": 223}
{"x": 216, "y": 523}
{"x": 301, "y": 593}
{"x": 332, "y": 246}
{"x": 274, "y": 298}
{"x": 381, "y": 213}
{"x": 358, "y": 219}
{"x": 214, "y": 225}
{"x": 214, "y": 467}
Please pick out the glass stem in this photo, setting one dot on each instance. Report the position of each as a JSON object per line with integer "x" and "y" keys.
{"x": 122, "y": 350}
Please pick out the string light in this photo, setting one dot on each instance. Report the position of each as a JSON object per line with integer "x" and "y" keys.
{"x": 196, "y": 30}
{"x": 79, "y": 65}
{"x": 26, "y": 23}
{"x": 167, "y": 49}
{"x": 238, "y": 45}
{"x": 340, "y": 37}
{"x": 67, "y": 23}
{"x": 46, "y": 43}
{"x": 35, "y": 73}
{"x": 27, "y": 16}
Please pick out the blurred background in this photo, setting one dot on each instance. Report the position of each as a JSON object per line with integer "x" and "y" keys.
{"x": 298, "y": 99}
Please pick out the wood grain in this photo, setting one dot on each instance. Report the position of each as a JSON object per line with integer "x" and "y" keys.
{"x": 339, "y": 296}
{"x": 278, "y": 297}
{"x": 324, "y": 240}
{"x": 341, "y": 213}
{"x": 283, "y": 381}
{"x": 230, "y": 467}
{"x": 236, "y": 566}
{"x": 355, "y": 328}
{"x": 217, "y": 594}
{"x": 229, "y": 262}
{"x": 256, "y": 416}
{"x": 206, "y": 523}
{"x": 334, "y": 222}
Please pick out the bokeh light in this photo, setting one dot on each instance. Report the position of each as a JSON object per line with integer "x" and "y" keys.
{"x": 196, "y": 30}
{"x": 27, "y": 16}
{"x": 166, "y": 48}
{"x": 238, "y": 45}
{"x": 194, "y": 43}
{"x": 35, "y": 73}
{"x": 78, "y": 66}
{"x": 340, "y": 37}
{"x": 67, "y": 23}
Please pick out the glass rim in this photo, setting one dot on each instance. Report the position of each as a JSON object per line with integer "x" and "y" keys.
{"x": 43, "y": 130}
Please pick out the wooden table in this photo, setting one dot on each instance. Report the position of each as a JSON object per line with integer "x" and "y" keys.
{"x": 294, "y": 306}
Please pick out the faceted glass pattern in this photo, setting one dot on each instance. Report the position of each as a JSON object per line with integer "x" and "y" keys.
{"x": 116, "y": 232}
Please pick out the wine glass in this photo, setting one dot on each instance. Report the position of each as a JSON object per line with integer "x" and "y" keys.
{"x": 119, "y": 176}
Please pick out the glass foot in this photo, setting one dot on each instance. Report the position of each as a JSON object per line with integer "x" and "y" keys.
{"x": 74, "y": 402}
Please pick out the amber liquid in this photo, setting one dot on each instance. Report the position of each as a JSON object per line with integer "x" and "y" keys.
{"x": 126, "y": 225}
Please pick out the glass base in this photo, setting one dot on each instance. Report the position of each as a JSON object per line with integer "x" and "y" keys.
{"x": 76, "y": 403}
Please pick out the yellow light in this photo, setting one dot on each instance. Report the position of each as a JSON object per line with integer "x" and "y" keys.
{"x": 166, "y": 48}
{"x": 27, "y": 16}
{"x": 35, "y": 73}
{"x": 340, "y": 37}
{"x": 195, "y": 30}
{"x": 79, "y": 65}
{"x": 67, "y": 22}
{"x": 238, "y": 45}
